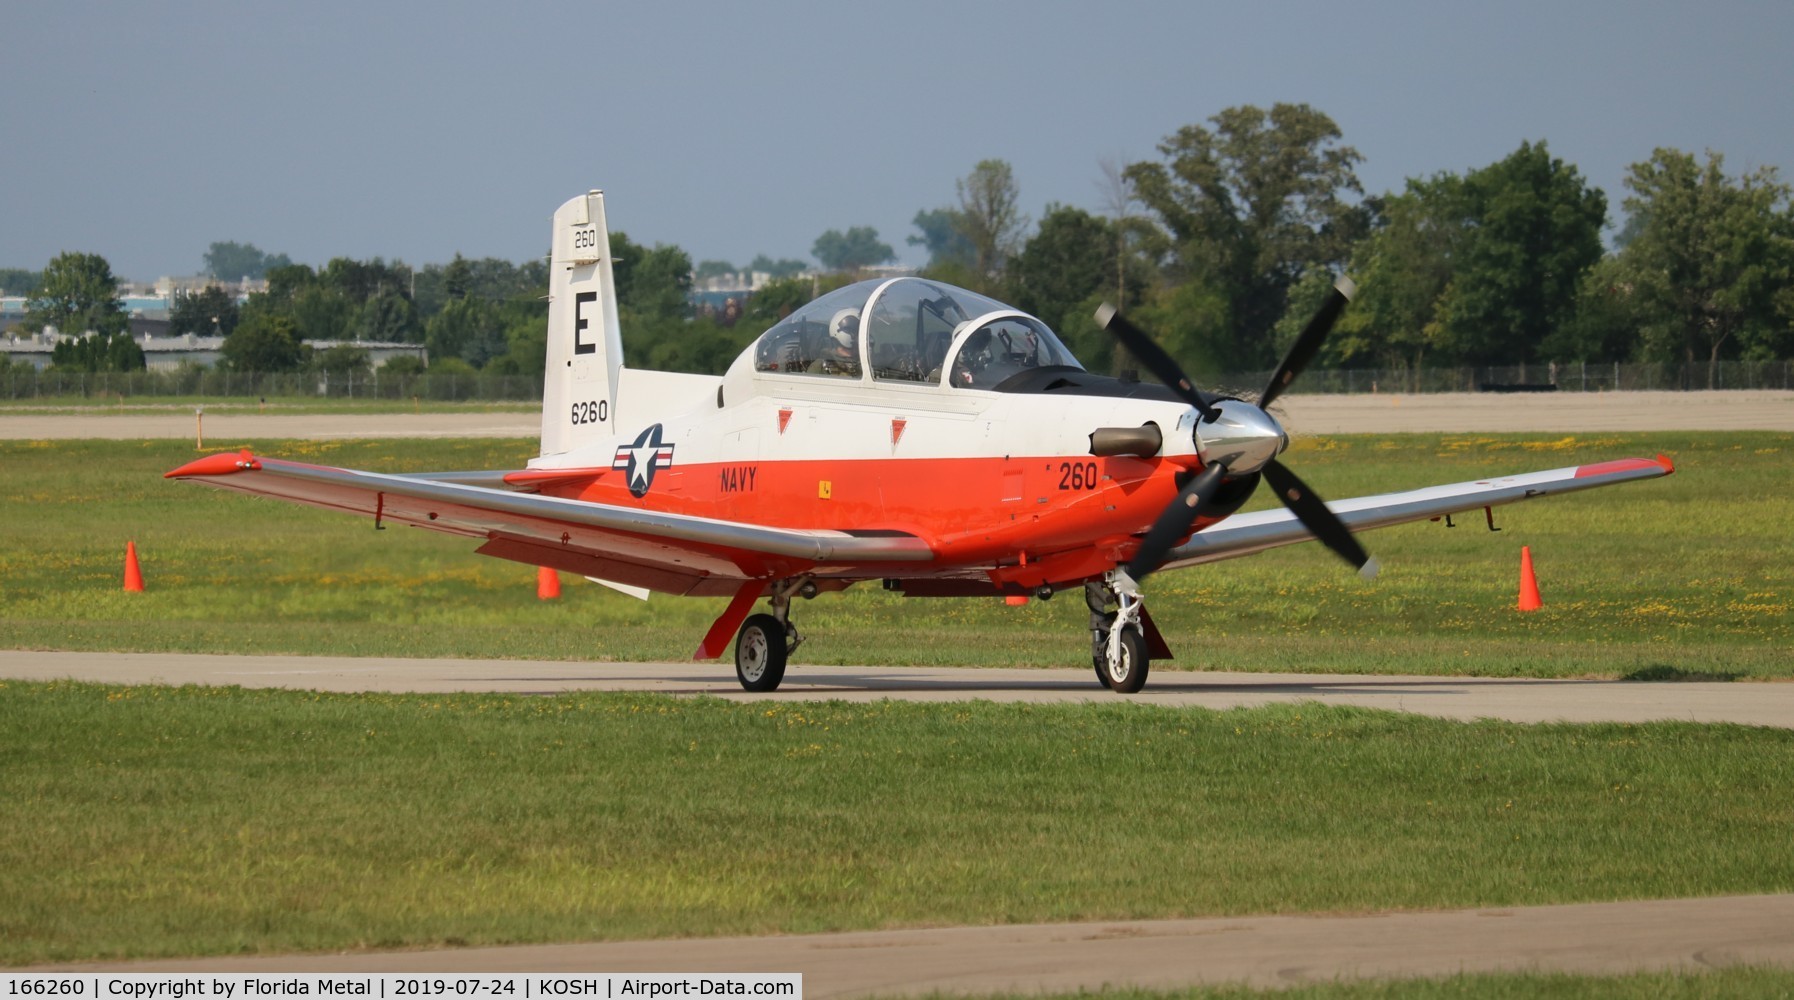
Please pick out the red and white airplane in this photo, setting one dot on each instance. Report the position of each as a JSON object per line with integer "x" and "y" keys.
{"x": 900, "y": 430}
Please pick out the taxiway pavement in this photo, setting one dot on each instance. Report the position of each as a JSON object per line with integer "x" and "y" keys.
{"x": 1265, "y": 951}
{"x": 1463, "y": 698}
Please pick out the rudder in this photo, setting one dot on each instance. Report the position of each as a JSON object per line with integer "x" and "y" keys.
{"x": 585, "y": 347}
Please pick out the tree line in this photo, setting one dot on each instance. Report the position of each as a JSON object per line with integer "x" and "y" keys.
{"x": 1226, "y": 244}
{"x": 1222, "y": 245}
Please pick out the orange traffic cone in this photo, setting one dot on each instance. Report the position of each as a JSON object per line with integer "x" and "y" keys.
{"x": 548, "y": 584}
{"x": 1529, "y": 584}
{"x": 133, "y": 573}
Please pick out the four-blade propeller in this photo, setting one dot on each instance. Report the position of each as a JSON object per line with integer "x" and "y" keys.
{"x": 1242, "y": 439}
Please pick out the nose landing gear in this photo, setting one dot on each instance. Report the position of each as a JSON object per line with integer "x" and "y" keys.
{"x": 1117, "y": 642}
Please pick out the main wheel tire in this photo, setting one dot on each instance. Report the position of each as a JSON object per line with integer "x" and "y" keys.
{"x": 1128, "y": 674}
{"x": 760, "y": 653}
{"x": 1099, "y": 644}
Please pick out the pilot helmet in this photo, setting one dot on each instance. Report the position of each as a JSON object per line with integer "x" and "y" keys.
{"x": 845, "y": 327}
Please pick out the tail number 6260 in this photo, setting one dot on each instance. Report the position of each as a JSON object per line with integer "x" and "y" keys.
{"x": 589, "y": 412}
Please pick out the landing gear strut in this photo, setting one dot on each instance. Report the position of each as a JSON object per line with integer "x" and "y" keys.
{"x": 1117, "y": 644}
{"x": 766, "y": 641}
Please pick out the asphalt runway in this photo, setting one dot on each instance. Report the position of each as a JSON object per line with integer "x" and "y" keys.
{"x": 1462, "y": 698}
{"x": 1576, "y": 412}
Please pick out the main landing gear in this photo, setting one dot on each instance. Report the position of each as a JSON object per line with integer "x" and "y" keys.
{"x": 1119, "y": 646}
{"x": 766, "y": 641}
{"x": 1117, "y": 641}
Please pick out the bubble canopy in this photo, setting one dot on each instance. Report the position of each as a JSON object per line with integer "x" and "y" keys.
{"x": 909, "y": 330}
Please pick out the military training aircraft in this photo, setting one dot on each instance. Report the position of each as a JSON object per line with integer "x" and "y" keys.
{"x": 899, "y": 430}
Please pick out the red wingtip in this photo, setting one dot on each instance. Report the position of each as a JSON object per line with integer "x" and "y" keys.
{"x": 215, "y": 465}
{"x": 1668, "y": 466}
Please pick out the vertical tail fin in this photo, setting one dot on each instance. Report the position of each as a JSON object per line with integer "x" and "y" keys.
{"x": 585, "y": 348}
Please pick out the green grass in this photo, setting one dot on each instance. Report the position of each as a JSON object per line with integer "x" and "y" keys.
{"x": 1689, "y": 576}
{"x": 1704, "y": 984}
{"x": 160, "y": 821}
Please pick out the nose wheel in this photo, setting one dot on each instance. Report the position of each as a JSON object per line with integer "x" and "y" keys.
{"x": 1117, "y": 643}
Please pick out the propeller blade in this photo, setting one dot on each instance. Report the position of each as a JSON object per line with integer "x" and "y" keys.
{"x": 1154, "y": 358}
{"x": 1314, "y": 515}
{"x": 1175, "y": 521}
{"x": 1309, "y": 343}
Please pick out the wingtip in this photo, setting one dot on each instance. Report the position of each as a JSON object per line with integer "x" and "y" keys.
{"x": 1669, "y": 466}
{"x": 215, "y": 465}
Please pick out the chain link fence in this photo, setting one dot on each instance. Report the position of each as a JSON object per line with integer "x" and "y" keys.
{"x": 206, "y": 383}
{"x": 209, "y": 383}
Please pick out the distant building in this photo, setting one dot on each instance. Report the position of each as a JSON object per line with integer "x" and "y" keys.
{"x": 12, "y": 311}
{"x": 143, "y": 301}
{"x": 169, "y": 353}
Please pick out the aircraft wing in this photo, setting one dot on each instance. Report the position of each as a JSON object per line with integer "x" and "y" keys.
{"x": 672, "y": 553}
{"x": 1245, "y": 534}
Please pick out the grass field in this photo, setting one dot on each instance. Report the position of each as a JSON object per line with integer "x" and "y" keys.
{"x": 163, "y": 821}
{"x": 1692, "y": 575}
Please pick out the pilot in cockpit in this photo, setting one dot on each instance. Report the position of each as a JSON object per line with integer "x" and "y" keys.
{"x": 840, "y": 354}
{"x": 992, "y": 354}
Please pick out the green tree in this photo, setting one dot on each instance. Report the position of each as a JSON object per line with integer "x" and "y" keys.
{"x": 1606, "y": 322}
{"x": 780, "y": 298}
{"x": 341, "y": 361}
{"x": 100, "y": 352}
{"x": 362, "y": 280}
{"x": 783, "y": 268}
{"x": 403, "y": 366}
{"x": 1069, "y": 259}
{"x": 989, "y": 217}
{"x": 1405, "y": 271}
{"x": 857, "y": 248}
{"x": 77, "y": 293}
{"x": 660, "y": 285}
{"x": 265, "y": 343}
{"x": 17, "y": 281}
{"x": 1251, "y": 204}
{"x": 387, "y": 317}
{"x": 1709, "y": 258}
{"x": 708, "y": 269}
{"x": 231, "y": 262}
{"x": 526, "y": 353}
{"x": 650, "y": 283}
{"x": 470, "y": 328}
{"x": 320, "y": 312}
{"x": 457, "y": 278}
{"x": 434, "y": 285}
{"x": 210, "y": 311}
{"x": 943, "y": 236}
{"x": 1536, "y": 231}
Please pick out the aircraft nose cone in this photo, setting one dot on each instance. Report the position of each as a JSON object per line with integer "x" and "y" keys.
{"x": 1243, "y": 437}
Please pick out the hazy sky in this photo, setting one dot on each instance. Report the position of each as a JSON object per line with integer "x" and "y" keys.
{"x": 145, "y": 131}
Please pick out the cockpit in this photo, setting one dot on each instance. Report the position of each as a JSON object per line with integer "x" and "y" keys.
{"x": 910, "y": 330}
